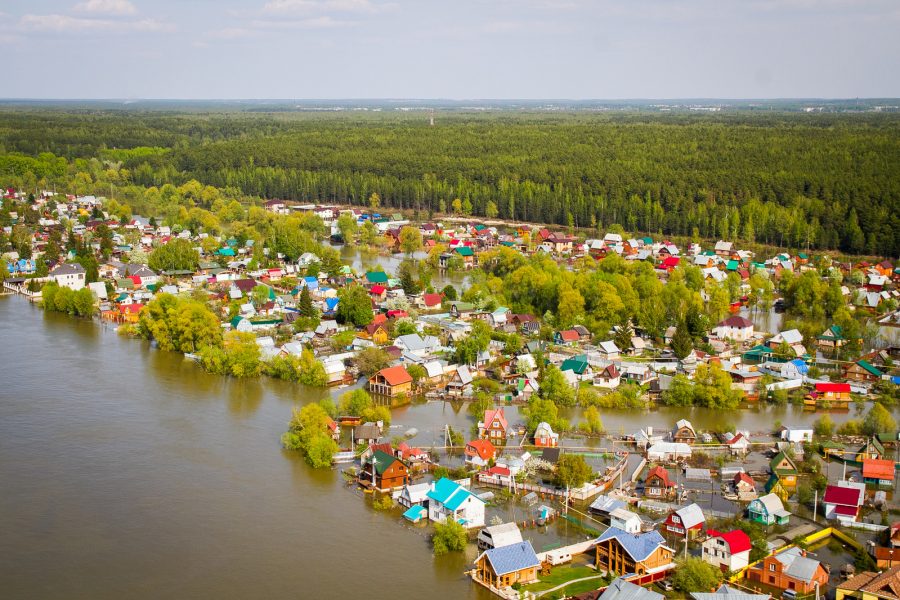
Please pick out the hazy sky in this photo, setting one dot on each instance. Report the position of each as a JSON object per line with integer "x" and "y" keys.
{"x": 449, "y": 49}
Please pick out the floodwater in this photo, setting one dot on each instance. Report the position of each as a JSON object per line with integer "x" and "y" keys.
{"x": 127, "y": 472}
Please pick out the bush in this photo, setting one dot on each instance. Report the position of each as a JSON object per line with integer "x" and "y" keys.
{"x": 696, "y": 575}
{"x": 449, "y": 537}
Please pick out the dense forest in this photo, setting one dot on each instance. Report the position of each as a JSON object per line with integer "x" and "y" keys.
{"x": 820, "y": 181}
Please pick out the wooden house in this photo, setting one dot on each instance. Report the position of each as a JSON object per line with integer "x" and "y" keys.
{"x": 871, "y": 449}
{"x": 386, "y": 471}
{"x": 768, "y": 510}
{"x": 508, "y": 565}
{"x": 873, "y": 586}
{"x": 686, "y": 522}
{"x": 391, "y": 382}
{"x": 861, "y": 370}
{"x": 658, "y": 485}
{"x": 684, "y": 432}
{"x": 375, "y": 332}
{"x": 730, "y": 551}
{"x": 494, "y": 426}
{"x": 622, "y": 552}
{"x": 545, "y": 437}
{"x": 785, "y": 468}
{"x": 790, "y": 569}
{"x": 878, "y": 472}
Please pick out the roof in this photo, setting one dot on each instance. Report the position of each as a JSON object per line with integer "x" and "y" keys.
{"x": 639, "y": 546}
{"x": 504, "y": 534}
{"x": 512, "y": 558}
{"x": 737, "y": 322}
{"x": 450, "y": 494}
{"x": 621, "y": 589}
{"x": 691, "y": 515}
{"x": 885, "y": 584}
{"x": 491, "y": 415}
{"x": 377, "y": 289}
{"x": 376, "y": 277}
{"x": 382, "y": 460}
{"x": 771, "y": 502}
{"x": 777, "y": 459}
{"x": 725, "y": 592}
{"x": 833, "y": 387}
{"x": 67, "y": 269}
{"x": 578, "y": 364}
{"x": 737, "y": 540}
{"x": 605, "y": 504}
{"x": 797, "y": 566}
{"x": 432, "y": 299}
{"x": 415, "y": 513}
{"x": 396, "y": 375}
{"x": 569, "y": 335}
{"x": 484, "y": 449}
{"x": 869, "y": 367}
{"x": 878, "y": 468}
{"x": 843, "y": 494}
{"x": 660, "y": 472}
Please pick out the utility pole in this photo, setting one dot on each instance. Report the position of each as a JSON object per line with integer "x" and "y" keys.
{"x": 815, "y": 505}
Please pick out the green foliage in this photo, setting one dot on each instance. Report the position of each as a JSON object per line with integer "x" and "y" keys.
{"x": 308, "y": 432}
{"x": 823, "y": 427}
{"x": 682, "y": 344}
{"x": 354, "y": 306}
{"x": 239, "y": 356}
{"x": 62, "y": 299}
{"x": 555, "y": 388}
{"x": 879, "y": 420}
{"x": 696, "y": 575}
{"x": 572, "y": 471}
{"x": 180, "y": 324}
{"x": 449, "y": 536}
{"x": 711, "y": 389}
{"x": 176, "y": 255}
{"x": 385, "y": 502}
{"x": 592, "y": 422}
{"x": 370, "y": 360}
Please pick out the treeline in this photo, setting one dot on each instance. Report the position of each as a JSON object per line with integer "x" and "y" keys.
{"x": 791, "y": 180}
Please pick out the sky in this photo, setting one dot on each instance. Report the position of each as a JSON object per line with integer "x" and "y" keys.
{"x": 449, "y": 49}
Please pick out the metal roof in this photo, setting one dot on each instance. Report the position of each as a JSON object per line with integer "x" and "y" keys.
{"x": 512, "y": 558}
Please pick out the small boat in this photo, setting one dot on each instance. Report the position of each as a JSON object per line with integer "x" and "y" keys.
{"x": 411, "y": 432}
{"x": 192, "y": 356}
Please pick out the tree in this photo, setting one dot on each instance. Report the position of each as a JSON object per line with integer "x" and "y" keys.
{"x": 879, "y": 420}
{"x": 305, "y": 304}
{"x": 623, "y": 336}
{"x": 541, "y": 410}
{"x": 572, "y": 471}
{"x": 354, "y": 306}
{"x": 824, "y": 426}
{"x": 348, "y": 227}
{"x": 682, "y": 344}
{"x": 555, "y": 388}
{"x": 368, "y": 233}
{"x": 374, "y": 201}
{"x": 570, "y": 306}
{"x": 417, "y": 372}
{"x": 449, "y": 536}
{"x": 308, "y": 432}
{"x": 407, "y": 279}
{"x": 696, "y": 575}
{"x": 371, "y": 360}
{"x": 449, "y": 292}
{"x": 456, "y": 205}
{"x": 176, "y": 255}
{"x": 592, "y": 422}
{"x": 259, "y": 295}
{"x": 410, "y": 240}
{"x": 311, "y": 372}
{"x": 490, "y": 210}
{"x": 355, "y": 403}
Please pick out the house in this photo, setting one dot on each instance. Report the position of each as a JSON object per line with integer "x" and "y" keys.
{"x": 878, "y": 472}
{"x": 461, "y": 381}
{"x": 625, "y": 520}
{"x": 871, "y": 586}
{"x": 686, "y": 522}
{"x": 723, "y": 248}
{"x": 785, "y": 468}
{"x": 790, "y": 569}
{"x": 738, "y": 444}
{"x": 417, "y": 345}
{"x": 768, "y": 510}
{"x": 659, "y": 485}
{"x": 579, "y": 366}
{"x": 508, "y": 565}
{"x": 449, "y": 500}
{"x": 494, "y": 426}
{"x": 391, "y": 381}
{"x": 621, "y": 589}
{"x": 743, "y": 484}
{"x": 730, "y": 551}
{"x": 414, "y": 494}
{"x": 604, "y": 506}
{"x": 608, "y": 350}
{"x": 843, "y": 500}
{"x": 367, "y": 433}
{"x": 430, "y": 301}
{"x": 737, "y": 328}
{"x": 668, "y": 451}
{"x": 386, "y": 471}
{"x": 480, "y": 452}
{"x": 618, "y": 551}
{"x": 70, "y": 275}
{"x": 863, "y": 371}
{"x": 544, "y": 436}
{"x": 872, "y": 448}
{"x": 497, "y": 536}
{"x": 795, "y": 435}
{"x": 608, "y": 378}
{"x": 567, "y": 337}
{"x": 726, "y": 592}
{"x": 832, "y": 338}
{"x": 684, "y": 432}
{"x": 833, "y": 392}
{"x": 410, "y": 454}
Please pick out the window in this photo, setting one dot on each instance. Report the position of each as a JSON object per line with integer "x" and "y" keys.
{"x": 771, "y": 579}
{"x": 772, "y": 567}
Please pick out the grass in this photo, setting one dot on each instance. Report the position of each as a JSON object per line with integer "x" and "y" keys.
{"x": 562, "y": 574}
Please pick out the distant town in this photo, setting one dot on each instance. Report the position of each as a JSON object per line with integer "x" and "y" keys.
{"x": 538, "y": 332}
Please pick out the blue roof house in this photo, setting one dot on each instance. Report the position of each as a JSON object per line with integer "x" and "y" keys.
{"x": 450, "y": 500}
{"x": 508, "y": 565}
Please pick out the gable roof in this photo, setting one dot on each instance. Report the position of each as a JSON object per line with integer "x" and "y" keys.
{"x": 491, "y": 415}
{"x": 660, "y": 472}
{"x": 796, "y": 565}
{"x": 773, "y": 464}
{"x": 382, "y": 461}
{"x": 771, "y": 502}
{"x": 621, "y": 589}
{"x": 484, "y": 449}
{"x": 376, "y": 277}
{"x": 878, "y": 468}
{"x": 691, "y": 515}
{"x": 844, "y": 495}
{"x": 639, "y": 546}
{"x": 885, "y": 584}
{"x": 396, "y": 375}
{"x": 450, "y": 494}
{"x": 737, "y": 540}
{"x": 569, "y": 335}
{"x": 512, "y": 558}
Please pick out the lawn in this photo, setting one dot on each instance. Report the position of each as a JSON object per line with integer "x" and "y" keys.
{"x": 562, "y": 574}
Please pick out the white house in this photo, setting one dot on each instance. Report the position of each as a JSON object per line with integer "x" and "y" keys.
{"x": 668, "y": 451}
{"x": 797, "y": 434}
{"x": 449, "y": 500}
{"x": 70, "y": 275}
{"x": 609, "y": 350}
{"x": 737, "y": 328}
{"x": 498, "y": 536}
{"x": 625, "y": 520}
{"x": 729, "y": 551}
{"x": 413, "y": 494}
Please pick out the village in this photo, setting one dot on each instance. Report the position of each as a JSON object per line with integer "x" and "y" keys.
{"x": 799, "y": 510}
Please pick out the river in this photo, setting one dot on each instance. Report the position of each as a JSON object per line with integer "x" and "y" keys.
{"x": 129, "y": 472}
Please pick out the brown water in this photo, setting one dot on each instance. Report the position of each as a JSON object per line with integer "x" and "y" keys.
{"x": 128, "y": 473}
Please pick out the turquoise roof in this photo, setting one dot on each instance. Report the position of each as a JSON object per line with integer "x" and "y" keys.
{"x": 464, "y": 251}
{"x": 376, "y": 277}
{"x": 450, "y": 494}
{"x": 415, "y": 513}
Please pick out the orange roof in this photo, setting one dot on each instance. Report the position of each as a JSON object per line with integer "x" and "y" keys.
{"x": 395, "y": 375}
{"x": 483, "y": 448}
{"x": 877, "y": 468}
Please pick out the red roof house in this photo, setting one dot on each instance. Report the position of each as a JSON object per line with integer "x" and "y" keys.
{"x": 843, "y": 501}
{"x": 494, "y": 426}
{"x": 480, "y": 452}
